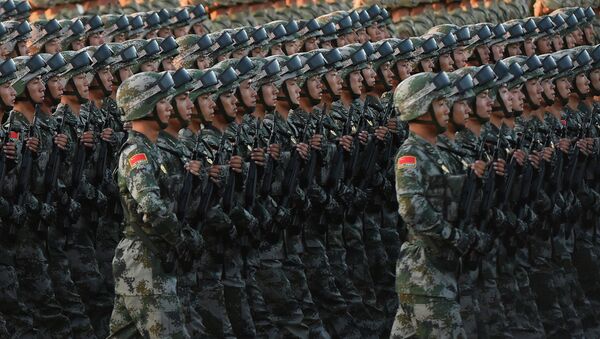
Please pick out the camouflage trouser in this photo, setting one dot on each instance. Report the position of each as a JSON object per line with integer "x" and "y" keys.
{"x": 427, "y": 317}
{"x": 64, "y": 287}
{"x": 470, "y": 311}
{"x": 107, "y": 239}
{"x": 587, "y": 263}
{"x": 193, "y": 321}
{"x": 571, "y": 315}
{"x": 526, "y": 306}
{"x": 153, "y": 316}
{"x": 35, "y": 282}
{"x": 236, "y": 299}
{"x": 19, "y": 320}
{"x": 543, "y": 284}
{"x": 359, "y": 271}
{"x": 580, "y": 301}
{"x": 390, "y": 236}
{"x": 277, "y": 292}
{"x": 332, "y": 306}
{"x": 264, "y": 321}
{"x": 85, "y": 272}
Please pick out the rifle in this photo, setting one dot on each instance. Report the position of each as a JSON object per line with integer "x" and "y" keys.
{"x": 103, "y": 159}
{"x": 468, "y": 192}
{"x": 371, "y": 150}
{"x": 511, "y": 174}
{"x": 3, "y": 141}
{"x": 290, "y": 180}
{"x": 207, "y": 193}
{"x": 231, "y": 183}
{"x": 352, "y": 165}
{"x": 267, "y": 177}
{"x": 25, "y": 169}
{"x": 583, "y": 166}
{"x": 311, "y": 168}
{"x": 185, "y": 193}
{"x": 252, "y": 176}
{"x": 489, "y": 186}
{"x": 335, "y": 173}
{"x": 541, "y": 175}
{"x": 51, "y": 178}
{"x": 559, "y": 167}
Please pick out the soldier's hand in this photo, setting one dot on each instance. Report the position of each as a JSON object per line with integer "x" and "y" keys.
{"x": 381, "y": 132}
{"x": 61, "y": 141}
{"x": 236, "y": 163}
{"x": 274, "y": 150}
{"x": 127, "y": 126}
{"x": 564, "y": 145}
{"x": 363, "y": 137}
{"x": 392, "y": 126}
{"x": 520, "y": 156}
{"x": 88, "y": 139}
{"x": 258, "y": 155}
{"x": 583, "y": 146}
{"x": 215, "y": 173}
{"x": 10, "y": 150}
{"x": 535, "y": 159}
{"x": 547, "y": 153}
{"x": 479, "y": 168}
{"x": 315, "y": 141}
{"x": 33, "y": 144}
{"x": 302, "y": 150}
{"x": 107, "y": 134}
{"x": 346, "y": 142}
{"x": 193, "y": 166}
{"x": 500, "y": 167}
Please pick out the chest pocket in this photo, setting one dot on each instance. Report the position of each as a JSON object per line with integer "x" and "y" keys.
{"x": 435, "y": 192}
{"x": 443, "y": 192}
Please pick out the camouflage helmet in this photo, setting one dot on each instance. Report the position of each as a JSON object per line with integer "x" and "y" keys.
{"x": 462, "y": 88}
{"x": 77, "y": 63}
{"x": 384, "y": 52}
{"x": 309, "y": 29}
{"x": 14, "y": 32}
{"x": 147, "y": 51}
{"x": 182, "y": 18}
{"x": 73, "y": 30}
{"x": 223, "y": 44}
{"x": 191, "y": 47}
{"x": 276, "y": 32}
{"x": 515, "y": 68}
{"x": 138, "y": 95}
{"x": 269, "y": 70}
{"x": 168, "y": 48}
{"x": 355, "y": 59}
{"x": 413, "y": 96}
{"x": 42, "y": 32}
{"x": 549, "y": 65}
{"x": 115, "y": 24}
{"x": 92, "y": 24}
{"x": 102, "y": 56}
{"x": 290, "y": 67}
{"x": 328, "y": 28}
{"x": 462, "y": 34}
{"x": 481, "y": 34}
{"x": 581, "y": 58}
{"x": 314, "y": 64}
{"x": 8, "y": 70}
{"x": 124, "y": 56}
{"x": 28, "y": 68}
{"x": 182, "y": 81}
{"x": 203, "y": 82}
{"x": 56, "y": 64}
{"x": 137, "y": 26}
{"x": 425, "y": 48}
{"x": 8, "y": 10}
{"x": 228, "y": 79}
{"x": 198, "y": 14}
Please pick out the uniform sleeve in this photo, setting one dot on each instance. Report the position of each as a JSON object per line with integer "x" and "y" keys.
{"x": 143, "y": 186}
{"x": 414, "y": 208}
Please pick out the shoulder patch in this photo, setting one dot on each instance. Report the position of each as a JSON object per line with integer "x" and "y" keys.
{"x": 136, "y": 159}
{"x": 407, "y": 161}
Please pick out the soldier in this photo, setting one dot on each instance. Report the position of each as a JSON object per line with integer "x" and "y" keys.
{"x": 146, "y": 301}
{"x": 94, "y": 31}
{"x": 427, "y": 303}
{"x": 45, "y": 37}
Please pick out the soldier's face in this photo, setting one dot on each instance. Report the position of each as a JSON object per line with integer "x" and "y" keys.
{"x": 334, "y": 81}
{"x": 563, "y": 88}
{"x": 36, "y": 90}
{"x": 388, "y": 75}
{"x": 529, "y": 47}
{"x": 150, "y": 35}
{"x": 356, "y": 80}
{"x": 52, "y": 46}
{"x": 180, "y": 31}
{"x": 315, "y": 87}
{"x": 311, "y": 44}
{"x": 351, "y": 37}
{"x": 557, "y": 42}
{"x": 375, "y": 32}
{"x": 106, "y": 78}
{"x": 96, "y": 39}
{"x": 517, "y": 99}
{"x": 207, "y": 107}
{"x": 276, "y": 50}
{"x": 369, "y": 76}
{"x": 77, "y": 44}
{"x": 506, "y": 97}
{"x": 497, "y": 52}
{"x": 460, "y": 57}
{"x": 203, "y": 62}
{"x": 82, "y": 85}
{"x": 125, "y": 73}
{"x": 223, "y": 57}
{"x": 460, "y": 112}
{"x": 238, "y": 54}
{"x": 549, "y": 87}
{"x": 291, "y": 47}
{"x": 164, "y": 32}
{"x": 121, "y": 37}
{"x": 578, "y": 33}
{"x": 56, "y": 87}
{"x": 363, "y": 36}
{"x": 184, "y": 106}
{"x": 570, "y": 40}
{"x": 483, "y": 105}
{"x": 229, "y": 101}
{"x": 199, "y": 28}
{"x": 248, "y": 93}
{"x": 543, "y": 45}
{"x": 582, "y": 83}
{"x": 513, "y": 49}
{"x": 326, "y": 44}
{"x": 167, "y": 64}
{"x": 446, "y": 63}
{"x": 8, "y": 94}
{"x": 341, "y": 41}
{"x": 22, "y": 48}
{"x": 427, "y": 65}
{"x": 164, "y": 110}
{"x": 595, "y": 79}
{"x": 269, "y": 94}
{"x": 404, "y": 69}
{"x": 151, "y": 66}
{"x": 484, "y": 54}
{"x": 442, "y": 112}
{"x": 258, "y": 52}
{"x": 588, "y": 31}
{"x": 293, "y": 90}
{"x": 534, "y": 90}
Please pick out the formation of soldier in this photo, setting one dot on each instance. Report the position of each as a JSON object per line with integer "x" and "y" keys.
{"x": 160, "y": 180}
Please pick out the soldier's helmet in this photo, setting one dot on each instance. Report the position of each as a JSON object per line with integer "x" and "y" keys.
{"x": 28, "y": 68}
{"x": 56, "y": 65}
{"x": 73, "y": 30}
{"x": 8, "y": 71}
{"x": 203, "y": 81}
{"x": 413, "y": 96}
{"x": 77, "y": 63}
{"x": 137, "y": 96}
{"x": 42, "y": 32}
{"x": 115, "y": 24}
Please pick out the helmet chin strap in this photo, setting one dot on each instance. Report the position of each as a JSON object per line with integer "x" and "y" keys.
{"x": 581, "y": 95}
{"x": 381, "y": 80}
{"x": 246, "y": 109}
{"x": 439, "y": 128}
{"x": 220, "y": 109}
{"x": 530, "y": 103}
{"x": 75, "y": 92}
{"x": 548, "y": 101}
{"x": 156, "y": 118}
{"x": 287, "y": 97}
{"x": 474, "y": 114}
{"x": 328, "y": 87}
{"x": 100, "y": 86}
{"x": 457, "y": 127}
{"x": 184, "y": 123}
{"x": 306, "y": 94}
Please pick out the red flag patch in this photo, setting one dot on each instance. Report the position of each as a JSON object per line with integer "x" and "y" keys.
{"x": 407, "y": 161}
{"x": 137, "y": 158}
{"x": 563, "y": 122}
{"x": 13, "y": 135}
